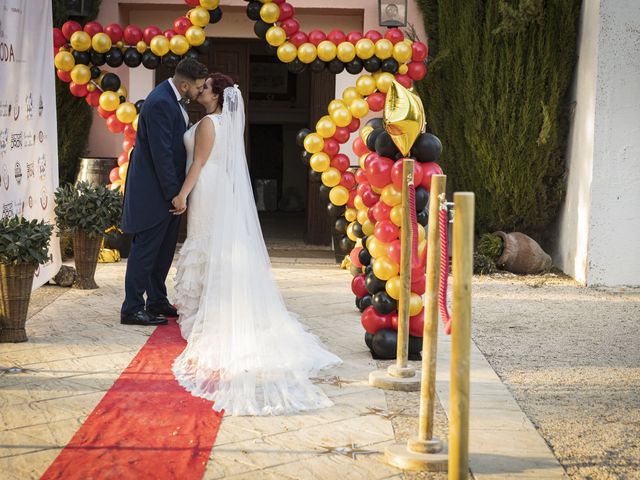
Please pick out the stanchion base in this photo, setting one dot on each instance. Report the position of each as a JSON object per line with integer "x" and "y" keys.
{"x": 434, "y": 445}
{"x": 400, "y": 456}
{"x": 382, "y": 379}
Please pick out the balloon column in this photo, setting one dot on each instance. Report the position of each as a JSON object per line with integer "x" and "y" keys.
{"x": 81, "y": 53}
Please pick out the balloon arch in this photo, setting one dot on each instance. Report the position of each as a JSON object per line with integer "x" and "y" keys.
{"x": 366, "y": 202}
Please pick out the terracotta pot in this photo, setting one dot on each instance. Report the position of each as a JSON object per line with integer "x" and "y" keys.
{"x": 522, "y": 254}
{"x": 15, "y": 292}
{"x": 86, "y": 250}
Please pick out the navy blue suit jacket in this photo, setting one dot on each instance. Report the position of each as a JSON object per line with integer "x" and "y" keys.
{"x": 158, "y": 161}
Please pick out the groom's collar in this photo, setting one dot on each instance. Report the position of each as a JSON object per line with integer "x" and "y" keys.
{"x": 175, "y": 90}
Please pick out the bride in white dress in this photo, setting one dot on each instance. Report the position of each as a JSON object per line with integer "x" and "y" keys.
{"x": 245, "y": 351}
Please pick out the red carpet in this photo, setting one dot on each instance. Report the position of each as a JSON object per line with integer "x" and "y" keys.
{"x": 146, "y": 426}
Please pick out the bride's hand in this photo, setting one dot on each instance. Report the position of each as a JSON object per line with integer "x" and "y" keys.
{"x": 179, "y": 205}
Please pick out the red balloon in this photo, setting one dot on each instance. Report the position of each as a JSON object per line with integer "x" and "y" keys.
{"x": 386, "y": 231}
{"x": 353, "y": 37}
{"x": 336, "y": 36}
{"x": 299, "y": 38}
{"x": 340, "y": 161}
{"x": 370, "y": 198}
{"x": 348, "y": 180}
{"x": 290, "y": 26}
{"x": 376, "y": 101}
{"x": 278, "y": 2}
{"x": 417, "y": 271}
{"x": 58, "y": 39}
{"x": 372, "y": 157}
{"x": 317, "y": 36}
{"x": 122, "y": 159}
{"x": 352, "y": 198}
{"x": 114, "y": 174}
{"x": 362, "y": 187}
{"x": 381, "y": 211}
{"x": 354, "y": 125}
{"x": 114, "y": 125}
{"x": 92, "y": 28}
{"x": 359, "y": 147}
{"x": 404, "y": 80}
{"x": 394, "y": 35}
{"x": 286, "y": 11}
{"x": 394, "y": 320}
{"x": 181, "y": 24}
{"x": 373, "y": 35}
{"x": 93, "y": 98}
{"x": 78, "y": 90}
{"x": 416, "y": 324}
{"x": 128, "y": 143}
{"x": 355, "y": 260}
{"x": 103, "y": 113}
{"x": 192, "y": 3}
{"x": 371, "y": 216}
{"x": 357, "y": 285}
{"x": 419, "y": 286}
{"x": 64, "y": 76}
{"x": 393, "y": 250}
{"x": 69, "y": 28}
{"x": 417, "y": 173}
{"x": 417, "y": 70}
{"x": 361, "y": 177}
{"x": 419, "y": 51}
{"x": 342, "y": 134}
{"x": 372, "y": 321}
{"x": 132, "y": 34}
{"x": 331, "y": 147}
{"x": 150, "y": 32}
{"x": 129, "y": 132}
{"x": 429, "y": 169}
{"x": 170, "y": 34}
{"x": 396, "y": 173}
{"x": 379, "y": 171}
{"x": 114, "y": 31}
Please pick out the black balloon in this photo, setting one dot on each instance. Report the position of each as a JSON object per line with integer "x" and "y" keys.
{"x": 253, "y": 10}
{"x": 364, "y": 303}
{"x": 271, "y": 50}
{"x": 422, "y": 198}
{"x": 205, "y": 47}
{"x": 375, "y": 122}
{"x": 296, "y": 66}
{"x": 427, "y": 148}
{"x": 368, "y": 270}
{"x": 335, "y": 66}
{"x": 355, "y": 66}
{"x": 170, "y": 60}
{"x": 301, "y": 135}
{"x": 215, "y": 15}
{"x": 372, "y": 64}
{"x": 390, "y": 65}
{"x": 122, "y": 98}
{"x": 364, "y": 256}
{"x": 423, "y": 217}
{"x": 341, "y": 225}
{"x": 110, "y": 82}
{"x": 385, "y": 343}
{"x": 97, "y": 58}
{"x": 357, "y": 230}
{"x": 383, "y": 303}
{"x": 83, "y": 58}
{"x": 132, "y": 58}
{"x": 138, "y": 105}
{"x": 305, "y": 157}
{"x": 114, "y": 57}
{"x": 150, "y": 61}
{"x": 317, "y": 66}
{"x": 415, "y": 345}
{"x": 373, "y": 284}
{"x": 334, "y": 210}
{"x": 384, "y": 145}
{"x": 95, "y": 72}
{"x": 368, "y": 339}
{"x": 314, "y": 176}
{"x": 372, "y": 137}
{"x": 260, "y": 28}
{"x": 192, "y": 54}
{"x": 346, "y": 244}
{"x": 364, "y": 241}
{"x": 324, "y": 193}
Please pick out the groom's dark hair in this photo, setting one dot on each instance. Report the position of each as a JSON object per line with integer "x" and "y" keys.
{"x": 191, "y": 69}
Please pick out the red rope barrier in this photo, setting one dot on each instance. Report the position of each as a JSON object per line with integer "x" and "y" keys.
{"x": 415, "y": 261}
{"x": 443, "y": 224}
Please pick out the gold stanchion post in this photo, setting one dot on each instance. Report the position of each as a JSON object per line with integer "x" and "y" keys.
{"x": 400, "y": 376}
{"x": 462, "y": 269}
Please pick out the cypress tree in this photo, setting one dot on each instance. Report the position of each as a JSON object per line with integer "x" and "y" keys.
{"x": 496, "y": 96}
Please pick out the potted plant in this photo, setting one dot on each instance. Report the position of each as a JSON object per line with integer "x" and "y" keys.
{"x": 24, "y": 245}
{"x": 87, "y": 211}
{"x": 514, "y": 252}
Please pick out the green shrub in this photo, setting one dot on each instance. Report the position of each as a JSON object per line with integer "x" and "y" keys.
{"x": 490, "y": 246}
{"x": 496, "y": 96}
{"x": 24, "y": 241}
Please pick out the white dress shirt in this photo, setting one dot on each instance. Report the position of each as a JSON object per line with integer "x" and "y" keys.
{"x": 179, "y": 97}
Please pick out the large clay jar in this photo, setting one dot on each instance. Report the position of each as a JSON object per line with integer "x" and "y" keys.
{"x": 522, "y": 254}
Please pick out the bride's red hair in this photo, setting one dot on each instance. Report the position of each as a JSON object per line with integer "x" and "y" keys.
{"x": 220, "y": 81}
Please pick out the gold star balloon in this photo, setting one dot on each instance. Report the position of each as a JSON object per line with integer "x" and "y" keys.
{"x": 404, "y": 117}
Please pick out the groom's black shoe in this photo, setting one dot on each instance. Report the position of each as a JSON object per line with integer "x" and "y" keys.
{"x": 141, "y": 317}
{"x": 162, "y": 310}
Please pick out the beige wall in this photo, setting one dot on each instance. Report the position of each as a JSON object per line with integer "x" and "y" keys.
{"x": 359, "y": 15}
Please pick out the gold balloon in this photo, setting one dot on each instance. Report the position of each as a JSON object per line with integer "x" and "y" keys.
{"x": 199, "y": 16}
{"x": 420, "y": 233}
{"x": 363, "y": 215}
{"x": 195, "y": 36}
{"x": 326, "y": 51}
{"x": 403, "y": 116}
{"x": 91, "y": 87}
{"x": 80, "y": 41}
{"x": 422, "y": 246}
{"x": 320, "y": 162}
{"x": 393, "y": 287}
{"x": 346, "y": 52}
{"x": 126, "y": 112}
{"x": 391, "y": 195}
{"x": 415, "y": 304}
{"x": 339, "y": 195}
{"x": 269, "y": 12}
{"x": 287, "y": 52}
{"x": 376, "y": 247}
{"x": 109, "y": 101}
{"x": 276, "y": 36}
{"x": 358, "y": 203}
{"x": 365, "y": 48}
{"x": 335, "y": 105}
{"x": 368, "y": 227}
{"x": 326, "y": 127}
{"x": 122, "y": 92}
{"x": 313, "y": 143}
{"x": 402, "y": 52}
{"x": 307, "y": 52}
{"x": 384, "y": 49}
{"x": 159, "y": 45}
{"x": 384, "y": 81}
{"x": 359, "y": 108}
{"x": 366, "y": 130}
{"x": 342, "y": 117}
{"x": 365, "y": 85}
{"x": 376, "y": 190}
{"x": 209, "y": 4}
{"x": 179, "y": 44}
{"x": 101, "y": 42}
{"x": 352, "y": 236}
{"x": 134, "y": 124}
{"x": 141, "y": 47}
{"x": 403, "y": 69}
{"x": 395, "y": 215}
{"x": 350, "y": 94}
{"x": 331, "y": 177}
{"x": 384, "y": 268}
{"x": 64, "y": 61}
{"x": 361, "y": 160}
{"x": 350, "y": 214}
{"x": 80, "y": 74}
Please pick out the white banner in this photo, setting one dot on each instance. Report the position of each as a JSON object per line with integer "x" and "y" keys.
{"x": 28, "y": 135}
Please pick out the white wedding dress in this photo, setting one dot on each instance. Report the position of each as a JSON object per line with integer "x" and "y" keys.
{"x": 245, "y": 351}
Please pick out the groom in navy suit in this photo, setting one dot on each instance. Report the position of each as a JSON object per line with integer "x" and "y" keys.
{"x": 156, "y": 173}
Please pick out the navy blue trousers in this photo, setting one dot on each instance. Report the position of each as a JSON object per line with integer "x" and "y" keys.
{"x": 148, "y": 265}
